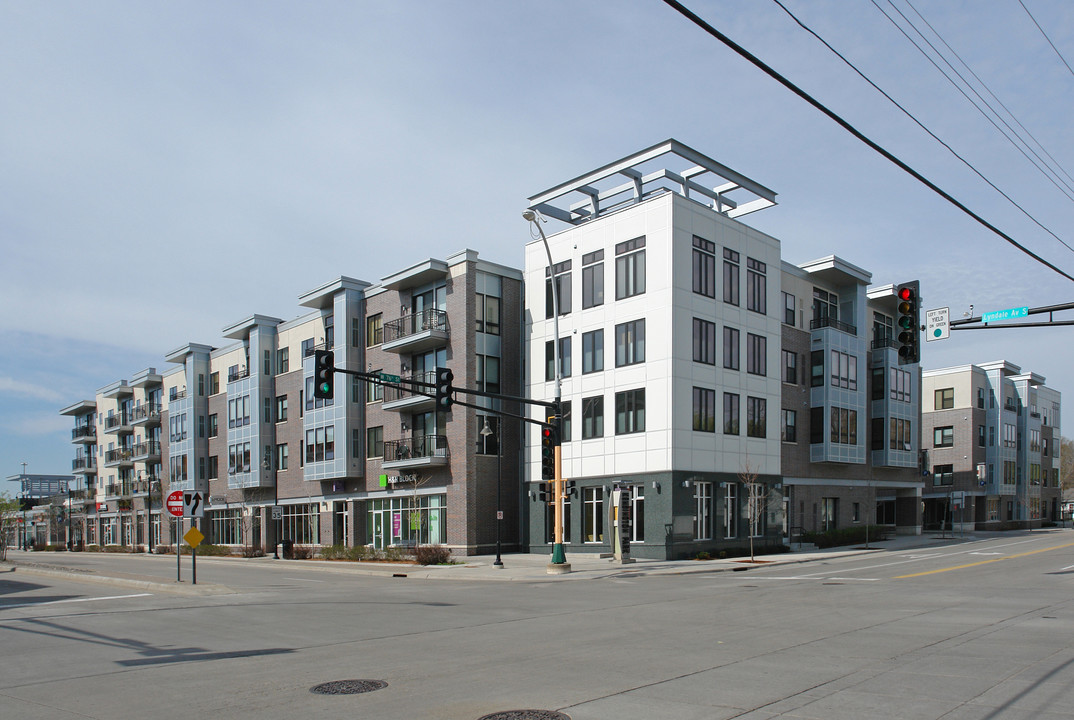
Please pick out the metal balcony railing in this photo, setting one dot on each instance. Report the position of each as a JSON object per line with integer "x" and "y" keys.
{"x": 824, "y": 322}
{"x": 114, "y": 421}
{"x": 84, "y": 463}
{"x": 422, "y": 446}
{"x": 145, "y": 411}
{"x": 84, "y": 431}
{"x": 146, "y": 449}
{"x": 238, "y": 374}
{"x": 392, "y": 394}
{"x": 886, "y": 342}
{"x": 114, "y": 456}
{"x": 415, "y": 323}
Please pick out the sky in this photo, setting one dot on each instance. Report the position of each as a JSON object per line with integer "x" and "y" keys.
{"x": 169, "y": 168}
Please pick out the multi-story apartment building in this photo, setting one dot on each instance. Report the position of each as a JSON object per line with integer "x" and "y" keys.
{"x": 708, "y": 336}
{"x": 993, "y": 441}
{"x": 372, "y": 465}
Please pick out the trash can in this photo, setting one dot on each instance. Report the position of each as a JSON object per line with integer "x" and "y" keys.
{"x": 288, "y": 549}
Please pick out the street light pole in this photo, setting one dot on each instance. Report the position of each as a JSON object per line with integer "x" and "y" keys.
{"x": 559, "y": 556}
{"x": 486, "y": 431}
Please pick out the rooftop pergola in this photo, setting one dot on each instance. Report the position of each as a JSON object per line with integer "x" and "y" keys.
{"x": 669, "y": 166}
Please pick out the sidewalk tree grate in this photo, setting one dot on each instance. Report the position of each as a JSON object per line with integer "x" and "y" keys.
{"x": 526, "y": 715}
{"x": 348, "y": 687}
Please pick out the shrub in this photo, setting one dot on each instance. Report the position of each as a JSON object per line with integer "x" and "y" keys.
{"x": 93, "y": 548}
{"x": 116, "y": 549}
{"x": 703, "y": 556}
{"x": 54, "y": 548}
{"x": 209, "y": 550}
{"x": 359, "y": 552}
{"x": 249, "y": 551}
{"x": 334, "y": 552}
{"x": 163, "y": 550}
{"x": 395, "y": 554}
{"x": 303, "y": 552}
{"x": 844, "y": 536}
{"x": 432, "y": 555}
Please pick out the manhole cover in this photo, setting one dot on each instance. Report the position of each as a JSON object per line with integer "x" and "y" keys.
{"x": 348, "y": 687}
{"x": 526, "y": 715}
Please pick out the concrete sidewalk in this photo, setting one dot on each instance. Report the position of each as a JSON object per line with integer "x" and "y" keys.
{"x": 521, "y": 567}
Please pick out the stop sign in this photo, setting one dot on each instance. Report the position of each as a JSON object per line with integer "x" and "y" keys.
{"x": 175, "y": 503}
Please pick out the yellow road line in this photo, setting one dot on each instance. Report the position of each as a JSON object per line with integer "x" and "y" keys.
{"x": 982, "y": 562}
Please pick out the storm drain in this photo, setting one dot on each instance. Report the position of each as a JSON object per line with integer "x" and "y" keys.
{"x": 526, "y": 715}
{"x": 348, "y": 687}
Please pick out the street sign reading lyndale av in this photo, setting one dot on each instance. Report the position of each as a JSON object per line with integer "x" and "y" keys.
{"x": 1001, "y": 315}
{"x": 175, "y": 503}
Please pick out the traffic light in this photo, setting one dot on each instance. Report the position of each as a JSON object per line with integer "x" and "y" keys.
{"x": 568, "y": 487}
{"x": 324, "y": 374}
{"x": 544, "y": 492}
{"x": 444, "y": 378}
{"x": 549, "y": 441}
{"x": 909, "y": 323}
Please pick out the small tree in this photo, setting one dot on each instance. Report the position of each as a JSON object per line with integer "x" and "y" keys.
{"x": 9, "y": 518}
{"x": 756, "y": 502}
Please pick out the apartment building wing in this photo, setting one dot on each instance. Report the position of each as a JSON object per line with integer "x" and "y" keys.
{"x": 669, "y": 346}
{"x": 993, "y": 441}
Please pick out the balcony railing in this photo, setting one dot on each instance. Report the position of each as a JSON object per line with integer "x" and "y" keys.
{"x": 117, "y": 456}
{"x": 394, "y": 394}
{"x": 422, "y": 446}
{"x": 886, "y": 342}
{"x": 112, "y": 422}
{"x": 146, "y": 449}
{"x": 424, "y": 321}
{"x": 84, "y": 432}
{"x": 146, "y": 412}
{"x": 238, "y": 374}
{"x": 176, "y": 394}
{"x": 84, "y": 463}
{"x": 824, "y": 322}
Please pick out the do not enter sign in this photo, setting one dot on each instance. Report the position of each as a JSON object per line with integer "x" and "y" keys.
{"x": 174, "y": 503}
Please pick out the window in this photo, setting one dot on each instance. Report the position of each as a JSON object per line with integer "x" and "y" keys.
{"x": 991, "y": 436}
{"x": 213, "y": 426}
{"x": 790, "y": 367}
{"x": 730, "y": 510}
{"x": 630, "y": 268}
{"x": 844, "y": 370}
{"x": 855, "y": 512}
{"x": 704, "y": 267}
{"x": 238, "y": 458}
{"x": 702, "y": 511}
{"x": 593, "y": 517}
{"x": 943, "y": 474}
{"x": 788, "y": 430}
{"x": 321, "y": 444}
{"x": 593, "y": 279}
{"x": 876, "y": 383}
{"x": 238, "y": 411}
{"x": 730, "y": 276}
{"x": 564, "y": 359}
{"x": 214, "y": 467}
{"x": 356, "y": 332}
{"x": 883, "y": 329}
{"x": 630, "y": 343}
{"x": 329, "y": 331}
{"x": 565, "y": 422}
{"x": 980, "y": 398}
{"x": 268, "y": 362}
{"x": 374, "y": 330}
{"x": 756, "y": 354}
{"x": 704, "y": 341}
{"x": 1034, "y": 440}
{"x": 281, "y": 456}
{"x": 756, "y": 286}
{"x": 900, "y": 435}
{"x": 1010, "y": 436}
{"x": 630, "y": 411}
{"x": 356, "y": 389}
{"x": 1009, "y": 472}
{"x": 816, "y": 365}
{"x": 488, "y": 373}
{"x": 637, "y": 512}
{"x": 488, "y": 443}
{"x": 592, "y": 351}
{"x": 201, "y": 468}
{"x": 281, "y": 408}
{"x": 730, "y": 348}
{"x": 900, "y": 384}
{"x": 730, "y": 414}
{"x": 562, "y": 273}
{"x": 374, "y": 391}
{"x": 825, "y": 306}
{"x": 374, "y": 442}
{"x": 756, "y": 420}
{"x": 283, "y": 360}
{"x": 488, "y": 313}
{"x": 789, "y": 308}
{"x": 980, "y": 436}
{"x": 704, "y": 410}
{"x": 829, "y": 513}
{"x": 844, "y": 426}
{"x": 945, "y": 399}
{"x": 201, "y": 384}
{"x": 214, "y": 383}
{"x": 593, "y": 417}
{"x": 943, "y": 437}
{"x": 201, "y": 425}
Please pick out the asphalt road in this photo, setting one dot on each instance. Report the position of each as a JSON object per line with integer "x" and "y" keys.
{"x": 981, "y": 629}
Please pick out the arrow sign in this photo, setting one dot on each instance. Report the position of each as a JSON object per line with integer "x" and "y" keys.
{"x": 1001, "y": 315}
{"x": 193, "y": 505}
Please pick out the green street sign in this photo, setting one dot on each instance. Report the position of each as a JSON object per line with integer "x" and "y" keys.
{"x": 390, "y": 378}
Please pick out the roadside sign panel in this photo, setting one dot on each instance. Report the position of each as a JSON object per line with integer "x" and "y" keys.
{"x": 193, "y": 537}
{"x": 174, "y": 503}
{"x": 193, "y": 505}
{"x": 937, "y": 324}
{"x": 277, "y": 512}
{"x": 1001, "y": 315}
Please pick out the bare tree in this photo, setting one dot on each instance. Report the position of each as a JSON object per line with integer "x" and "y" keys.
{"x": 756, "y": 501}
{"x": 9, "y": 518}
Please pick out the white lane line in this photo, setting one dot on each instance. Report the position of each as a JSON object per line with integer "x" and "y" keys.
{"x": 73, "y": 600}
{"x": 304, "y": 579}
{"x": 1068, "y": 567}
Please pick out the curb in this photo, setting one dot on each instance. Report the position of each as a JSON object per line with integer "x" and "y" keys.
{"x": 175, "y": 589}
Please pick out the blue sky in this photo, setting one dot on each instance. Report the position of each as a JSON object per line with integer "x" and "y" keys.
{"x": 164, "y": 166}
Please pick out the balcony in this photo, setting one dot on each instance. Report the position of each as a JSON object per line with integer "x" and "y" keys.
{"x": 825, "y": 322}
{"x": 84, "y": 434}
{"x": 118, "y": 458}
{"x": 147, "y": 451}
{"x": 239, "y": 374}
{"x": 421, "y": 451}
{"x": 84, "y": 464}
{"x": 118, "y": 424}
{"x": 409, "y": 400}
{"x": 147, "y": 414}
{"x": 886, "y": 342}
{"x": 119, "y": 490}
{"x": 176, "y": 394}
{"x": 417, "y": 332}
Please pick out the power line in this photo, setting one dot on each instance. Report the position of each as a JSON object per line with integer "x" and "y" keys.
{"x": 920, "y": 124}
{"x": 940, "y": 55}
{"x": 690, "y": 15}
{"x": 1046, "y": 36}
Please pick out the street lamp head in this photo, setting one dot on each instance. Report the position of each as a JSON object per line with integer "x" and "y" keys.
{"x": 486, "y": 431}
{"x": 529, "y": 215}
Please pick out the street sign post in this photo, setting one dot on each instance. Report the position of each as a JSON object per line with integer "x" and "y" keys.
{"x": 1001, "y": 315}
{"x": 937, "y": 324}
{"x": 193, "y": 538}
